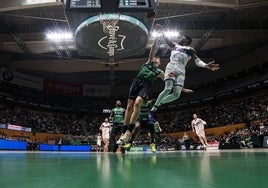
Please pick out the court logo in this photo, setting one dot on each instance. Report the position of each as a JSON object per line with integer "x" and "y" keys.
{"x": 112, "y": 42}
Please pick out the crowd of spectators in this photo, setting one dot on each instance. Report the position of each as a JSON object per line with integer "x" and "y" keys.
{"x": 83, "y": 128}
{"x": 220, "y": 114}
{"x": 42, "y": 121}
{"x": 244, "y": 137}
{"x": 3, "y": 135}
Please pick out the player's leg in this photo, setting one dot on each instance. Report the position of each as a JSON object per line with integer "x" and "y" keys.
{"x": 163, "y": 94}
{"x": 173, "y": 96}
{"x": 113, "y": 135}
{"x": 177, "y": 88}
{"x": 203, "y": 136}
{"x": 136, "y": 110}
{"x": 125, "y": 132}
{"x": 134, "y": 132}
{"x": 133, "y": 118}
{"x": 202, "y": 142}
{"x": 170, "y": 79}
{"x": 139, "y": 89}
{"x": 129, "y": 111}
{"x": 198, "y": 133}
{"x": 132, "y": 95}
{"x": 106, "y": 144}
{"x": 150, "y": 127}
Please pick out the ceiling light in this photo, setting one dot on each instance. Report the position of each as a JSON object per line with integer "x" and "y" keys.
{"x": 59, "y": 36}
{"x": 169, "y": 34}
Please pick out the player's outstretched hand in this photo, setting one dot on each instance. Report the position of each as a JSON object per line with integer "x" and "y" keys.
{"x": 212, "y": 66}
{"x": 187, "y": 90}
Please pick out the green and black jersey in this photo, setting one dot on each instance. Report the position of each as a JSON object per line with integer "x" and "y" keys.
{"x": 145, "y": 109}
{"x": 149, "y": 72}
{"x": 118, "y": 115}
{"x": 156, "y": 128}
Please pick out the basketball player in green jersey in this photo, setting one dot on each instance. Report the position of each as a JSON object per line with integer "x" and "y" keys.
{"x": 117, "y": 117}
{"x": 139, "y": 89}
{"x": 143, "y": 123}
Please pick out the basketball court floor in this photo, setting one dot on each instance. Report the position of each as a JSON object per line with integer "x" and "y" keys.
{"x": 206, "y": 169}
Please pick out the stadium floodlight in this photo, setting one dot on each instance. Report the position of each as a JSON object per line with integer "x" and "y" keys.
{"x": 34, "y": 2}
{"x": 59, "y": 36}
{"x": 168, "y": 33}
{"x": 171, "y": 33}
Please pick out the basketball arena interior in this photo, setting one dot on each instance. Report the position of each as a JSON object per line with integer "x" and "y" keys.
{"x": 64, "y": 64}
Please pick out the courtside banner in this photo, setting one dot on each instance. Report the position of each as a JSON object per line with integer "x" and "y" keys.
{"x": 21, "y": 79}
{"x": 96, "y": 90}
{"x": 19, "y": 128}
{"x": 63, "y": 88}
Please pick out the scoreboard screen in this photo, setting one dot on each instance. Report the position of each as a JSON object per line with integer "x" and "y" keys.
{"x": 84, "y": 3}
{"x": 97, "y": 3}
{"x": 133, "y": 3}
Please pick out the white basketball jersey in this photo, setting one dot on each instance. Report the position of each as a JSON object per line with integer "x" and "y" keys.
{"x": 198, "y": 124}
{"x": 179, "y": 58}
{"x": 105, "y": 130}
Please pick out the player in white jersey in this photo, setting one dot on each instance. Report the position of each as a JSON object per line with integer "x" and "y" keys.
{"x": 198, "y": 128}
{"x": 98, "y": 143}
{"x": 106, "y": 129}
{"x": 181, "y": 53}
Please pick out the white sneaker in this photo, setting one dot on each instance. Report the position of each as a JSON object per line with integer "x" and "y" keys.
{"x": 124, "y": 138}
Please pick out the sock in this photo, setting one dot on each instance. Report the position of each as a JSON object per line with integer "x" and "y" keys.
{"x": 124, "y": 128}
{"x": 154, "y": 109}
{"x": 131, "y": 127}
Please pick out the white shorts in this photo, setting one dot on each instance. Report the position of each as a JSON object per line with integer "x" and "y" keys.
{"x": 99, "y": 142}
{"x": 105, "y": 135}
{"x": 174, "y": 74}
{"x": 201, "y": 133}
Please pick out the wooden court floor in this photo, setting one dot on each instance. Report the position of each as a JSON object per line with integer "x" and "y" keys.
{"x": 196, "y": 169}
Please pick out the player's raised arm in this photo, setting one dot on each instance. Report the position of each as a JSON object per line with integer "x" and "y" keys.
{"x": 152, "y": 52}
{"x": 159, "y": 28}
{"x": 211, "y": 65}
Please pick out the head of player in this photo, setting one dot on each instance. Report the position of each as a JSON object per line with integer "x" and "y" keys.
{"x": 118, "y": 103}
{"x": 185, "y": 40}
{"x": 146, "y": 98}
{"x": 156, "y": 61}
{"x": 194, "y": 116}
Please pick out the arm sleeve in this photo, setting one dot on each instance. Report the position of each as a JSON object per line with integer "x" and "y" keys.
{"x": 200, "y": 63}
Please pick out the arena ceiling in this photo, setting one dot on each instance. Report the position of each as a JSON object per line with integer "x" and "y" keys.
{"x": 213, "y": 25}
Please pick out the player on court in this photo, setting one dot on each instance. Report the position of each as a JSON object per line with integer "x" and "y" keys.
{"x": 140, "y": 87}
{"x": 181, "y": 53}
{"x": 156, "y": 132}
{"x": 198, "y": 128}
{"x": 143, "y": 122}
{"x": 117, "y": 117}
{"x": 98, "y": 149}
{"x": 105, "y": 128}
